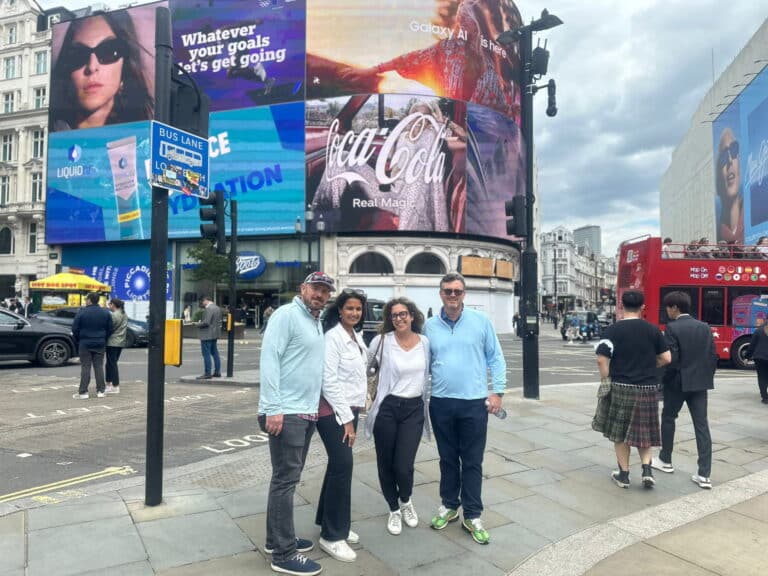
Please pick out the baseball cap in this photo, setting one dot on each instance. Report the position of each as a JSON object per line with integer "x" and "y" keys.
{"x": 321, "y": 278}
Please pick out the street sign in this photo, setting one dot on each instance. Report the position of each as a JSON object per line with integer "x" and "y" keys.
{"x": 179, "y": 160}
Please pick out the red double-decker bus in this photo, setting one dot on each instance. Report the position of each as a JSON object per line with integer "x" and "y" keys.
{"x": 728, "y": 286}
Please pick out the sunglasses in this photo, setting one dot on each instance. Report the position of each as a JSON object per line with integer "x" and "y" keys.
{"x": 729, "y": 153}
{"x": 107, "y": 52}
{"x": 452, "y": 292}
{"x": 353, "y": 292}
{"x": 399, "y": 315}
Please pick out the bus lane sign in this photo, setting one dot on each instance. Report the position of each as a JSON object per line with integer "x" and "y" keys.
{"x": 179, "y": 160}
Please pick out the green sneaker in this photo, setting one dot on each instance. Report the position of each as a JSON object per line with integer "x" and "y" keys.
{"x": 444, "y": 517}
{"x": 475, "y": 527}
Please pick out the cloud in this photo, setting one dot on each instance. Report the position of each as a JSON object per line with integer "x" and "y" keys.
{"x": 629, "y": 77}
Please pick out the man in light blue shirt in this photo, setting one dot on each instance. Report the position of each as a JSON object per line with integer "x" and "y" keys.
{"x": 292, "y": 355}
{"x": 464, "y": 347}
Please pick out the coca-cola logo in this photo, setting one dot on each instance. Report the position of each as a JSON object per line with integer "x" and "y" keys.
{"x": 401, "y": 150}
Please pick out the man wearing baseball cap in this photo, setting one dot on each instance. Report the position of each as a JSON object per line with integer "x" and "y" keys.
{"x": 292, "y": 349}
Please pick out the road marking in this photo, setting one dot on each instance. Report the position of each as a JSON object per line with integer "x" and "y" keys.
{"x": 234, "y": 443}
{"x": 36, "y": 490}
{"x": 23, "y": 455}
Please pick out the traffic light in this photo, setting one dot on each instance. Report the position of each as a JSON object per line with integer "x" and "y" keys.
{"x": 212, "y": 216}
{"x": 518, "y": 224}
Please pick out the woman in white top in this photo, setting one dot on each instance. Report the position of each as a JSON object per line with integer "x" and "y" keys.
{"x": 343, "y": 396}
{"x": 400, "y": 412}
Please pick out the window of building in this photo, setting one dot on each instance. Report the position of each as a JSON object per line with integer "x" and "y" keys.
{"x": 9, "y": 67}
{"x": 6, "y": 148}
{"x": 6, "y": 241}
{"x": 11, "y": 34}
{"x": 425, "y": 263}
{"x": 38, "y": 143}
{"x": 53, "y": 19}
{"x": 37, "y": 186}
{"x": 32, "y": 238}
{"x": 371, "y": 263}
{"x": 5, "y": 190}
{"x": 9, "y": 101}
{"x": 41, "y": 62}
{"x": 40, "y": 97}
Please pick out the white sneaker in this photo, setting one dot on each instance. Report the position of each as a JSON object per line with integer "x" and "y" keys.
{"x": 659, "y": 464}
{"x": 100, "y": 394}
{"x": 339, "y": 550}
{"x": 394, "y": 524}
{"x": 703, "y": 482}
{"x": 353, "y": 538}
{"x": 80, "y": 396}
{"x": 112, "y": 389}
{"x": 409, "y": 514}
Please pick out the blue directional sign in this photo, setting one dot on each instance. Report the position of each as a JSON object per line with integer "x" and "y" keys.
{"x": 179, "y": 160}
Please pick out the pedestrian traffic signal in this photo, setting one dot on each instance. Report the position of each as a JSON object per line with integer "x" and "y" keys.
{"x": 517, "y": 225}
{"x": 212, "y": 217}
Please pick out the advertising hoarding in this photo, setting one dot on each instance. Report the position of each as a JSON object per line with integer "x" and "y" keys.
{"x": 740, "y": 160}
{"x": 443, "y": 48}
{"x": 103, "y": 69}
{"x": 242, "y": 54}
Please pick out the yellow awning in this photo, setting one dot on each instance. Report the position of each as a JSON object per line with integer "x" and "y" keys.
{"x": 65, "y": 281}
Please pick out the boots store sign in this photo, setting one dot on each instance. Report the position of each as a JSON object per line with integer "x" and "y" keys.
{"x": 250, "y": 265}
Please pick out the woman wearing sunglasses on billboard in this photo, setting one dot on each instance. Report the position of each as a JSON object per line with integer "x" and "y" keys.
{"x": 342, "y": 398}
{"x": 400, "y": 412}
{"x": 728, "y": 183}
{"x": 98, "y": 77}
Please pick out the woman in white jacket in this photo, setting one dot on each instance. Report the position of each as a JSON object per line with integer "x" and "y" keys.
{"x": 343, "y": 396}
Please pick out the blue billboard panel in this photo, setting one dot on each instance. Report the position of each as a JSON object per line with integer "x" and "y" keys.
{"x": 242, "y": 54}
{"x": 129, "y": 283}
{"x": 740, "y": 160}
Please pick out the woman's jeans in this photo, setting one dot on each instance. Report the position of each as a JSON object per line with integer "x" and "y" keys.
{"x": 288, "y": 451}
{"x": 397, "y": 433}
{"x": 113, "y": 355}
{"x": 334, "y": 507}
{"x": 460, "y": 428}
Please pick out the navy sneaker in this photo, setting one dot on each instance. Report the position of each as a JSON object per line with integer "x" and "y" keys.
{"x": 299, "y": 565}
{"x": 302, "y": 545}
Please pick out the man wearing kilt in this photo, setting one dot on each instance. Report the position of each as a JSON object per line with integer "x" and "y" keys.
{"x": 628, "y": 354}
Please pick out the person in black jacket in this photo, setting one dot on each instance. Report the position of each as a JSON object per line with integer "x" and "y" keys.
{"x": 91, "y": 328}
{"x": 758, "y": 351}
{"x": 686, "y": 380}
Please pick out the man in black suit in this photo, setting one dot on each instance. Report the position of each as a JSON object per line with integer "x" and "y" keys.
{"x": 686, "y": 380}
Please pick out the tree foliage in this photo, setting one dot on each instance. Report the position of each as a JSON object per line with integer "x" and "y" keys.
{"x": 212, "y": 268}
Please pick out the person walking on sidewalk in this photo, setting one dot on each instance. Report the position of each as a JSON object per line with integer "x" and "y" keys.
{"x": 209, "y": 331}
{"x": 343, "y": 396}
{"x": 400, "y": 411}
{"x": 115, "y": 344}
{"x": 464, "y": 348}
{"x": 91, "y": 328}
{"x": 758, "y": 351}
{"x": 686, "y": 380}
{"x": 629, "y": 353}
{"x": 292, "y": 349}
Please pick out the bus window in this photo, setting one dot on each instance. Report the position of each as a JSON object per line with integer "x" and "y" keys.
{"x": 692, "y": 292}
{"x": 712, "y": 306}
{"x": 748, "y": 306}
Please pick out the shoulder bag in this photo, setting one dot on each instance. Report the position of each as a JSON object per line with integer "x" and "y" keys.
{"x": 374, "y": 369}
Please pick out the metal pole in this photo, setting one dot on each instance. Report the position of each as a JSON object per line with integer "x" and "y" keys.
{"x": 159, "y": 258}
{"x": 554, "y": 262}
{"x": 530, "y": 258}
{"x": 232, "y": 288}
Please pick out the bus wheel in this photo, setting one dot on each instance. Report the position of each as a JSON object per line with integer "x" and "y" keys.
{"x": 739, "y": 354}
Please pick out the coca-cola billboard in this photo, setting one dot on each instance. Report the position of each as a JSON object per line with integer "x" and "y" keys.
{"x": 399, "y": 162}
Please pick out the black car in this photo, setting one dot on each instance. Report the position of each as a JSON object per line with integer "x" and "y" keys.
{"x": 136, "y": 335}
{"x": 45, "y": 343}
{"x": 372, "y": 318}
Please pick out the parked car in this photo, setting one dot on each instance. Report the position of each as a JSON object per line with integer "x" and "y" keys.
{"x": 372, "y": 318}
{"x": 137, "y": 334}
{"x": 44, "y": 343}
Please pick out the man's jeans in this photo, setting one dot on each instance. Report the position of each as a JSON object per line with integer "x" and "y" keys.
{"x": 288, "y": 451}
{"x": 209, "y": 349}
{"x": 88, "y": 358}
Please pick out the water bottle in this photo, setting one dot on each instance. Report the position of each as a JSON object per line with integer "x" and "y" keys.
{"x": 501, "y": 414}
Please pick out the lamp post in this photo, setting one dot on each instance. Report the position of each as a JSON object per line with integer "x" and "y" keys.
{"x": 534, "y": 66}
{"x": 554, "y": 266}
{"x": 309, "y": 216}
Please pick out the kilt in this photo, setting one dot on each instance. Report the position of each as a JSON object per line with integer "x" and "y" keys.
{"x": 629, "y": 414}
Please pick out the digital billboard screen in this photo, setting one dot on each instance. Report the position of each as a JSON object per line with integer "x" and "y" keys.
{"x": 242, "y": 54}
{"x": 740, "y": 160}
{"x": 103, "y": 69}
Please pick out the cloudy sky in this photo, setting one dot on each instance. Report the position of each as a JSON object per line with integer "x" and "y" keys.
{"x": 630, "y": 74}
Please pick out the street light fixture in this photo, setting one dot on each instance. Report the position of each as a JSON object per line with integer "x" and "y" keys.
{"x": 530, "y": 315}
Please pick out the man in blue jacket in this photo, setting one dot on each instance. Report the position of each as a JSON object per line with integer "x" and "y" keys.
{"x": 292, "y": 356}
{"x": 464, "y": 347}
{"x": 91, "y": 328}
